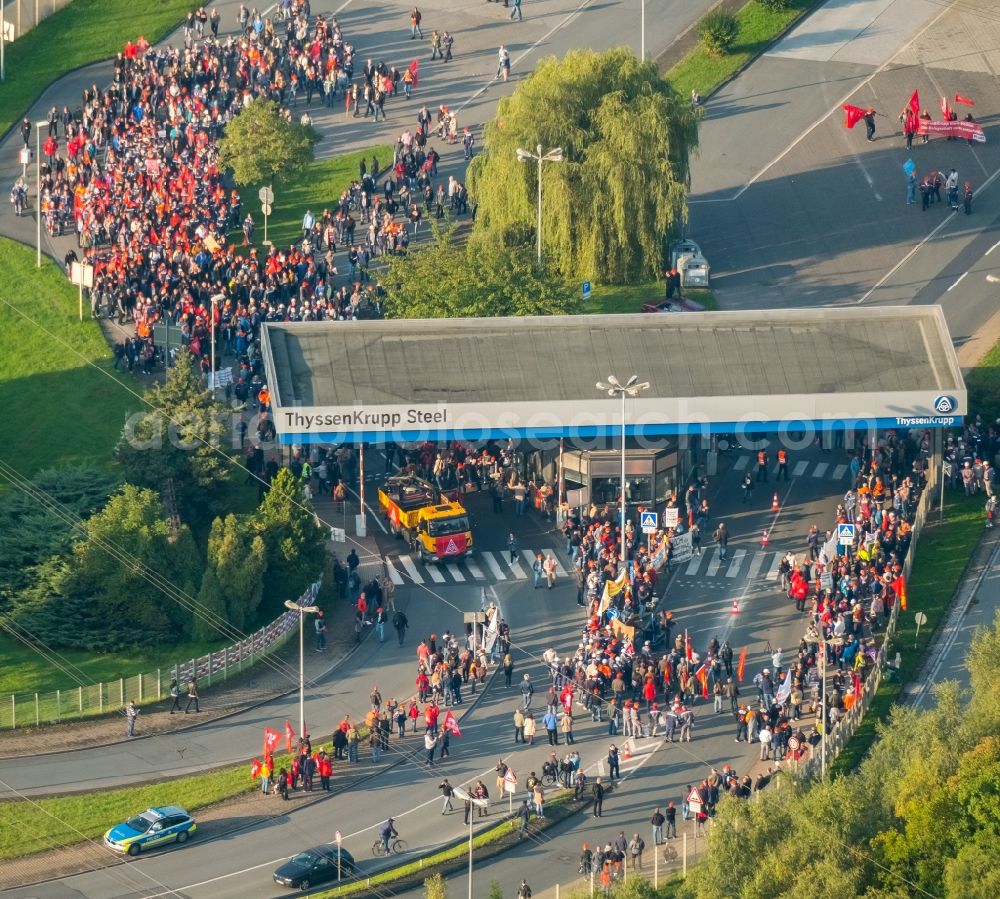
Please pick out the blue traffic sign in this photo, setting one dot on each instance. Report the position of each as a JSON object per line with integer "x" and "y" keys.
{"x": 845, "y": 534}
{"x": 648, "y": 522}
{"x": 586, "y": 290}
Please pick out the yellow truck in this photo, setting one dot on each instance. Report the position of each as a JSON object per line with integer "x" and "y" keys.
{"x": 435, "y": 526}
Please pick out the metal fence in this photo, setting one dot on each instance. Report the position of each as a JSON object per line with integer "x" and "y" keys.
{"x": 35, "y": 709}
{"x": 844, "y": 729}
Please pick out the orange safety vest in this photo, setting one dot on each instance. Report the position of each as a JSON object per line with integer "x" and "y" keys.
{"x": 782, "y": 456}
{"x": 761, "y": 457}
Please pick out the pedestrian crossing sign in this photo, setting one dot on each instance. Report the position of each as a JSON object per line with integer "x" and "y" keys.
{"x": 648, "y": 522}
{"x": 845, "y": 534}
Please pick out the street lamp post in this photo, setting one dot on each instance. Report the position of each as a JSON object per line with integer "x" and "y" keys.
{"x": 38, "y": 192}
{"x": 630, "y": 389}
{"x": 822, "y": 712}
{"x": 465, "y": 796}
{"x": 642, "y": 30}
{"x": 302, "y": 610}
{"x": 555, "y": 155}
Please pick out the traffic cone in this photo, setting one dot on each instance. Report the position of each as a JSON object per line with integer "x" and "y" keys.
{"x": 626, "y": 751}
{"x": 736, "y": 607}
{"x": 763, "y": 540}
{"x": 774, "y": 502}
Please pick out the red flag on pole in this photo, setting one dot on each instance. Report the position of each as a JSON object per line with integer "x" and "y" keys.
{"x": 854, "y": 114}
{"x": 915, "y": 104}
{"x": 255, "y": 769}
{"x": 289, "y": 735}
{"x": 271, "y": 740}
{"x": 415, "y": 71}
{"x": 899, "y": 588}
{"x": 945, "y": 109}
{"x": 450, "y": 724}
{"x": 742, "y": 664}
{"x": 688, "y": 654}
{"x": 965, "y": 101}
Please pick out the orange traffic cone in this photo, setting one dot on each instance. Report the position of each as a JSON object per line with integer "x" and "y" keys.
{"x": 626, "y": 752}
{"x": 774, "y": 502}
{"x": 736, "y": 607}
{"x": 763, "y": 540}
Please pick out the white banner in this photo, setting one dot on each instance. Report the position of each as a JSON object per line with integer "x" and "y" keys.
{"x": 683, "y": 548}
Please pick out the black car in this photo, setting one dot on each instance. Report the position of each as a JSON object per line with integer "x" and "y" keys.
{"x": 313, "y": 866}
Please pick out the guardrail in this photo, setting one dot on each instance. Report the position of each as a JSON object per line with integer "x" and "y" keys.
{"x": 844, "y": 729}
{"x": 36, "y": 709}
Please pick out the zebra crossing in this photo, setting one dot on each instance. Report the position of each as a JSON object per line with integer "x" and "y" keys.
{"x": 802, "y": 468}
{"x": 739, "y": 563}
{"x": 482, "y": 566}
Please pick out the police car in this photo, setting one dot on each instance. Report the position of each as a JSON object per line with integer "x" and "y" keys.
{"x": 154, "y": 827}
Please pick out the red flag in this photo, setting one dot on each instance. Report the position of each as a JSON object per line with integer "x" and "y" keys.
{"x": 965, "y": 101}
{"x": 899, "y": 588}
{"x": 289, "y": 735}
{"x": 742, "y": 664}
{"x": 945, "y": 109}
{"x": 255, "y": 769}
{"x": 271, "y": 739}
{"x": 915, "y": 104}
{"x": 415, "y": 71}
{"x": 702, "y": 675}
{"x": 688, "y": 654}
{"x": 450, "y": 724}
{"x": 854, "y": 114}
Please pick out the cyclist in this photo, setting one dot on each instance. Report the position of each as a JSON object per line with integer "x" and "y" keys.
{"x": 550, "y": 768}
{"x": 387, "y": 832}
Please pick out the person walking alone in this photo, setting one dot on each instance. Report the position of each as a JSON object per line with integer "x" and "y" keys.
{"x": 415, "y": 31}
{"x": 516, "y": 11}
{"x": 131, "y": 716}
{"x": 598, "y": 793}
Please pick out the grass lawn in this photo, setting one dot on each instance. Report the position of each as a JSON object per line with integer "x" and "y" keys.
{"x": 983, "y": 383}
{"x": 83, "y": 32}
{"x": 942, "y": 553}
{"x": 62, "y": 401}
{"x": 317, "y": 188}
{"x": 611, "y": 298}
{"x": 758, "y": 26}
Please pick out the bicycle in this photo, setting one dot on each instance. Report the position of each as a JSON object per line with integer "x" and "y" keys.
{"x": 396, "y": 847}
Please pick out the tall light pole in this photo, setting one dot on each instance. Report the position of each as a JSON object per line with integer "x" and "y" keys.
{"x": 642, "y": 30}
{"x": 38, "y": 192}
{"x": 465, "y": 796}
{"x": 555, "y": 155}
{"x": 215, "y": 298}
{"x": 630, "y": 389}
{"x": 302, "y": 610}
{"x": 822, "y": 702}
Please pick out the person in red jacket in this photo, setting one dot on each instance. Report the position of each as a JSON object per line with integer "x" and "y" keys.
{"x": 325, "y": 770}
{"x": 431, "y": 714}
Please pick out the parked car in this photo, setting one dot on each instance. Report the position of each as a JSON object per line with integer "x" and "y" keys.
{"x": 678, "y": 304}
{"x": 153, "y": 827}
{"x": 314, "y": 866}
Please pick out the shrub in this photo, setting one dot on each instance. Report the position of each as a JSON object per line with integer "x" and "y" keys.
{"x": 718, "y": 32}
{"x": 776, "y": 5}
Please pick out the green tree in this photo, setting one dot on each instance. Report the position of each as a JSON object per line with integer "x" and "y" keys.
{"x": 180, "y": 439}
{"x": 496, "y": 891}
{"x": 233, "y": 583}
{"x": 294, "y": 540}
{"x": 622, "y": 187}
{"x": 128, "y": 583}
{"x": 445, "y": 280}
{"x": 261, "y": 145}
{"x": 718, "y": 31}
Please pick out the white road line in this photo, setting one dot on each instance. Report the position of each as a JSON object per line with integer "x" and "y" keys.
{"x": 694, "y": 565}
{"x": 714, "y": 565}
{"x": 820, "y": 469}
{"x": 435, "y": 573}
{"x": 736, "y": 564}
{"x": 475, "y": 570}
{"x": 495, "y": 569}
{"x": 411, "y": 569}
{"x": 756, "y": 561}
{"x": 394, "y": 575}
{"x": 959, "y": 281}
{"x": 741, "y": 463}
{"x": 800, "y": 469}
{"x": 455, "y": 572}
{"x": 991, "y": 249}
{"x": 839, "y": 472}
{"x": 517, "y": 569}
{"x": 772, "y": 575}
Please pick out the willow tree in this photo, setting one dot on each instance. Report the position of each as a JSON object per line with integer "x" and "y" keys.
{"x": 622, "y": 185}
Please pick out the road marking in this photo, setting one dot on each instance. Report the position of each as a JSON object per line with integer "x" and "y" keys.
{"x": 839, "y": 472}
{"x": 456, "y": 573}
{"x": 693, "y": 565}
{"x": 772, "y": 575}
{"x": 494, "y": 567}
{"x": 475, "y": 570}
{"x": 714, "y": 565}
{"x": 411, "y": 569}
{"x": 991, "y": 249}
{"x": 756, "y": 561}
{"x": 736, "y": 564}
{"x": 741, "y": 463}
{"x": 518, "y": 570}
{"x": 959, "y": 281}
{"x": 435, "y": 573}
{"x": 394, "y": 575}
{"x": 800, "y": 469}
{"x": 820, "y": 469}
